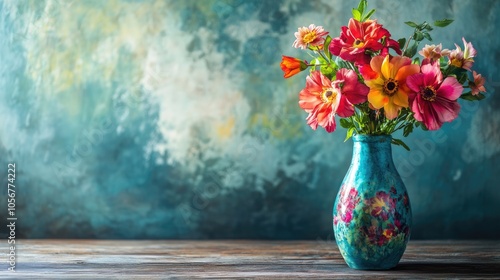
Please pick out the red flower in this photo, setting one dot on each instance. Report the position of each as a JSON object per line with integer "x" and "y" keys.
{"x": 359, "y": 37}
{"x": 323, "y": 98}
{"x": 292, "y": 65}
{"x": 378, "y": 235}
{"x": 382, "y": 205}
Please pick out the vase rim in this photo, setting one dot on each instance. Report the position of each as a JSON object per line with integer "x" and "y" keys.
{"x": 371, "y": 138}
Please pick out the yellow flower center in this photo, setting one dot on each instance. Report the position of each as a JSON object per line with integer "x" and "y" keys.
{"x": 358, "y": 43}
{"x": 429, "y": 93}
{"x": 390, "y": 87}
{"x": 388, "y": 234}
{"x": 309, "y": 37}
{"x": 457, "y": 63}
{"x": 328, "y": 95}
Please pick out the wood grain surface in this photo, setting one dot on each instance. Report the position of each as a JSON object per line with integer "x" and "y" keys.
{"x": 229, "y": 259}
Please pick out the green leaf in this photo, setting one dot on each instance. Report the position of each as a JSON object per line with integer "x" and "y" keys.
{"x": 400, "y": 142}
{"x": 326, "y": 70}
{"x": 345, "y": 123}
{"x": 314, "y": 61}
{"x": 427, "y": 36}
{"x": 426, "y": 26}
{"x": 418, "y": 36}
{"x": 367, "y": 16}
{"x": 356, "y": 15}
{"x": 402, "y": 43}
{"x": 416, "y": 60}
{"x": 317, "y": 61}
{"x": 326, "y": 45}
{"x": 443, "y": 22}
{"x": 411, "y": 24}
{"x": 349, "y": 134}
{"x": 412, "y": 50}
{"x": 470, "y": 97}
{"x": 462, "y": 78}
{"x": 362, "y": 6}
{"x": 408, "y": 129}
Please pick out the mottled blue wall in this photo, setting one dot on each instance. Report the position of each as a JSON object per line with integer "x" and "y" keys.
{"x": 171, "y": 119}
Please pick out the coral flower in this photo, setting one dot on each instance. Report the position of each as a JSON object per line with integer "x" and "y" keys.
{"x": 463, "y": 59}
{"x": 478, "y": 84}
{"x": 292, "y": 65}
{"x": 312, "y": 35}
{"x": 433, "y": 53}
{"x": 359, "y": 37}
{"x": 434, "y": 100}
{"x": 323, "y": 98}
{"x": 388, "y": 88}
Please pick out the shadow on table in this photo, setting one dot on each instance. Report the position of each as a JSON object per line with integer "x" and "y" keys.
{"x": 479, "y": 269}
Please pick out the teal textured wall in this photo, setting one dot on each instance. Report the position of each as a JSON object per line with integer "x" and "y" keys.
{"x": 171, "y": 119}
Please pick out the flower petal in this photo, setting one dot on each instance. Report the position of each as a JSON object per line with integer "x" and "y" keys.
{"x": 345, "y": 108}
{"x": 406, "y": 71}
{"x": 376, "y": 63}
{"x": 391, "y": 110}
{"x": 312, "y": 120}
{"x": 352, "y": 89}
{"x": 450, "y": 89}
{"x": 326, "y": 118}
{"x": 377, "y": 98}
{"x": 417, "y": 109}
{"x": 445, "y": 109}
{"x": 400, "y": 99}
{"x": 431, "y": 120}
{"x": 386, "y": 68}
{"x": 415, "y": 81}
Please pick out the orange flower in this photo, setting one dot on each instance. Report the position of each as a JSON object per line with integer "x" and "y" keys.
{"x": 292, "y": 66}
{"x": 388, "y": 89}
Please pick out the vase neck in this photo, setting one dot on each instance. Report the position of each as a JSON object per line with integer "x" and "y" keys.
{"x": 373, "y": 149}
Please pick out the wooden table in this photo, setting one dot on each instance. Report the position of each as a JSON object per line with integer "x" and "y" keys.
{"x": 172, "y": 259}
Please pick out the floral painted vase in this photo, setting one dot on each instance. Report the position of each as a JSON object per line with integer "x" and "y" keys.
{"x": 372, "y": 213}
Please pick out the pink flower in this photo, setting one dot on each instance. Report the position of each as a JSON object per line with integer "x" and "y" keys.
{"x": 434, "y": 100}
{"x": 463, "y": 59}
{"x": 312, "y": 35}
{"x": 433, "y": 52}
{"x": 345, "y": 205}
{"x": 478, "y": 84}
{"x": 323, "y": 98}
{"x": 359, "y": 37}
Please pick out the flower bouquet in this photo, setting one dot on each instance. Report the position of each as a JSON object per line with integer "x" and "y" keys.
{"x": 376, "y": 86}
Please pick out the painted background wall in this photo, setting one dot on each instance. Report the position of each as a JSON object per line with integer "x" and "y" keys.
{"x": 171, "y": 119}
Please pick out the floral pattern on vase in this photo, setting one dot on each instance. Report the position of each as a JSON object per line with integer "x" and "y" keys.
{"x": 372, "y": 214}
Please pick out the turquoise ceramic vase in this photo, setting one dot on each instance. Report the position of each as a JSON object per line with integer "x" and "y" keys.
{"x": 372, "y": 213}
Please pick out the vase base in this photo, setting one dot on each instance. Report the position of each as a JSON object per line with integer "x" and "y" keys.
{"x": 370, "y": 265}
{"x": 372, "y": 268}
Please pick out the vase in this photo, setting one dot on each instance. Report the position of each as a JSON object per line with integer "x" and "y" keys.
{"x": 372, "y": 213}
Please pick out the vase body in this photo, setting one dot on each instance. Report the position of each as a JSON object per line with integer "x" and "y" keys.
{"x": 372, "y": 213}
